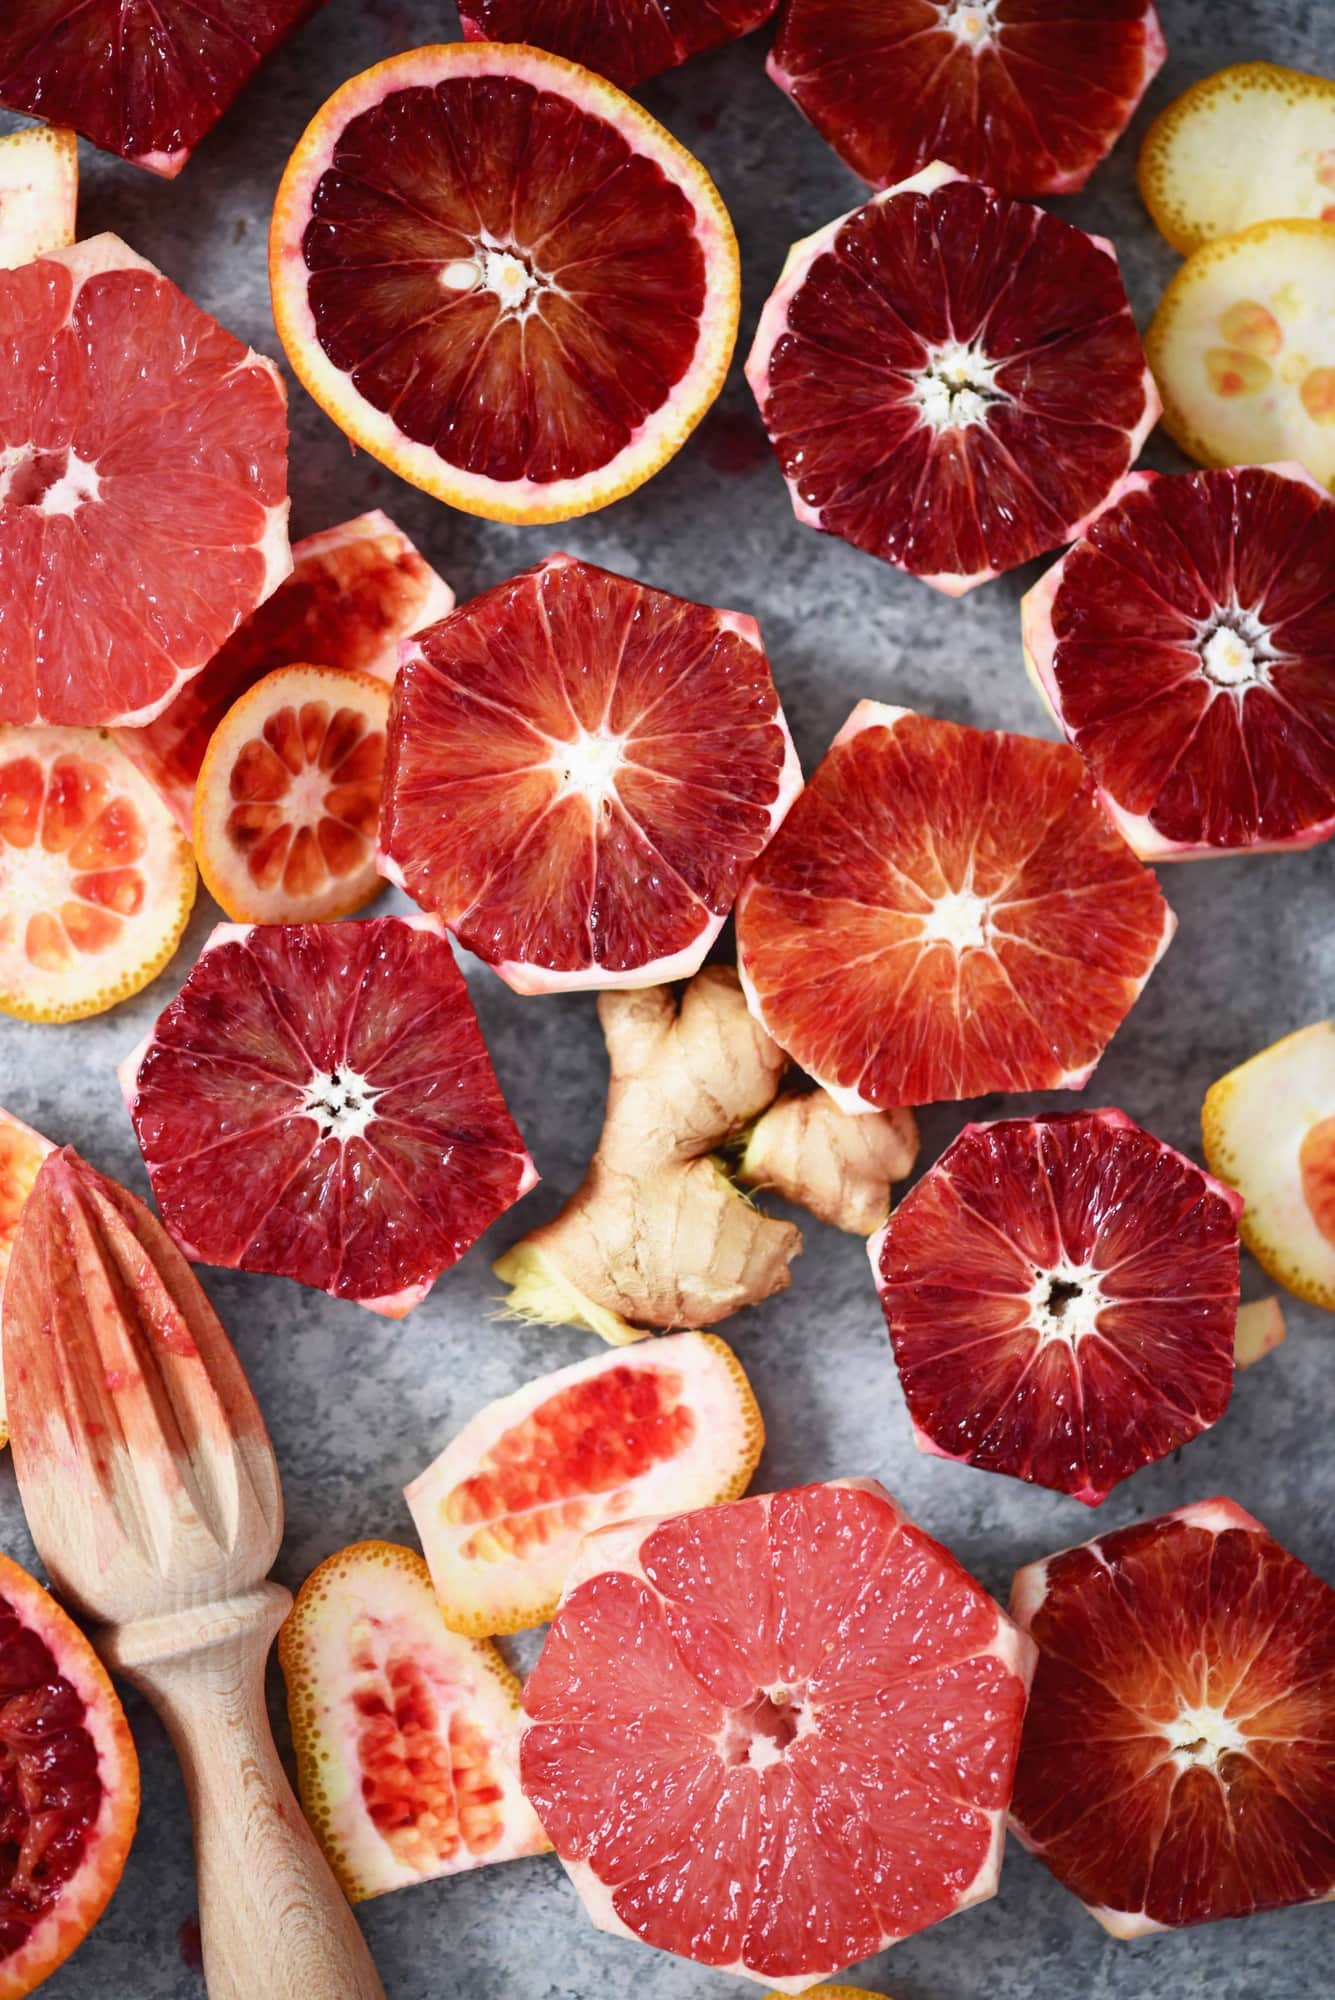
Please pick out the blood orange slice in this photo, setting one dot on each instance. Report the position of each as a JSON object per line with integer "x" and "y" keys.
{"x": 946, "y": 912}
{"x": 580, "y": 769}
{"x": 668, "y": 1424}
{"x": 21, "y": 1154}
{"x": 624, "y": 40}
{"x": 1183, "y": 645}
{"x": 39, "y": 192}
{"x": 775, "y": 1736}
{"x": 120, "y": 391}
{"x": 1062, "y": 1295}
{"x": 503, "y": 278}
{"x": 69, "y": 1785}
{"x": 1176, "y": 1762}
{"x": 288, "y": 799}
{"x": 144, "y": 81}
{"x": 318, "y": 1102}
{"x": 1027, "y": 95}
{"x": 952, "y": 380}
{"x": 404, "y": 1732}
{"x": 96, "y": 884}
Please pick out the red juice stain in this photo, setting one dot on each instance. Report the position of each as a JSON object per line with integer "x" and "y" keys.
{"x": 732, "y": 441}
{"x": 191, "y": 1944}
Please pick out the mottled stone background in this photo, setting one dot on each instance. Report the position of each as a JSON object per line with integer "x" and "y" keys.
{"x": 357, "y": 1405}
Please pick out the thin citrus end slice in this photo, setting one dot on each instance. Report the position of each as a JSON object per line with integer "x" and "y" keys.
{"x": 1260, "y": 1330}
{"x": 1268, "y": 1129}
{"x": 404, "y": 1732}
{"x": 503, "y": 278}
{"x": 624, "y": 40}
{"x": 670, "y": 1424}
{"x": 96, "y": 881}
{"x": 22, "y": 1152}
{"x": 836, "y": 1993}
{"x": 580, "y": 769}
{"x": 287, "y": 804}
{"x": 1175, "y": 1766}
{"x": 1252, "y": 143}
{"x": 1243, "y": 349}
{"x": 807, "y": 1714}
{"x": 946, "y": 912}
{"x": 39, "y": 192}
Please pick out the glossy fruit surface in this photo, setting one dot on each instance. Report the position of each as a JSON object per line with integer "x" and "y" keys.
{"x": 624, "y": 40}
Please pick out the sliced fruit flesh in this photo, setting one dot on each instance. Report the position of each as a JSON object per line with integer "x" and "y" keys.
{"x": 404, "y": 1732}
{"x": 22, "y": 1152}
{"x": 305, "y": 1078}
{"x": 502, "y": 1510}
{"x": 39, "y": 192}
{"x": 1243, "y": 349}
{"x": 1260, "y": 1330}
{"x": 1175, "y": 1766}
{"x": 1252, "y": 143}
{"x": 951, "y": 379}
{"x": 1062, "y": 1297}
{"x": 565, "y": 740}
{"x": 945, "y": 912}
{"x": 624, "y": 40}
{"x": 765, "y": 1687}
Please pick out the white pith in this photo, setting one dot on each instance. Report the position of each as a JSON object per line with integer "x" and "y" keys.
{"x": 587, "y": 764}
{"x": 1074, "y": 1319}
{"x": 1243, "y": 146}
{"x": 39, "y": 191}
{"x": 957, "y": 387}
{"x": 77, "y": 483}
{"x": 341, "y": 1102}
{"x": 973, "y": 22}
{"x": 959, "y": 918}
{"x": 1200, "y": 1735}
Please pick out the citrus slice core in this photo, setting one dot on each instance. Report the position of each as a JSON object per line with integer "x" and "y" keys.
{"x": 39, "y": 192}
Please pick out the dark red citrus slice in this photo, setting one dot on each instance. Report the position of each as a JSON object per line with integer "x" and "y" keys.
{"x": 1027, "y": 95}
{"x": 1184, "y": 645}
{"x": 946, "y": 912}
{"x": 624, "y": 40}
{"x": 804, "y": 1715}
{"x": 1177, "y": 1759}
{"x": 952, "y": 380}
{"x": 1062, "y": 1295}
{"x": 143, "y": 78}
{"x": 580, "y": 769}
{"x": 318, "y": 1101}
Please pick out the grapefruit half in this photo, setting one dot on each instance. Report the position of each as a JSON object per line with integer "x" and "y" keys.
{"x": 624, "y": 40}
{"x": 39, "y": 192}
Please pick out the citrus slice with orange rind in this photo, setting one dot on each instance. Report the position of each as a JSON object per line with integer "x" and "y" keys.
{"x": 1268, "y": 1129}
{"x": 39, "y": 192}
{"x": 22, "y": 1152}
{"x": 1252, "y": 143}
{"x": 96, "y": 881}
{"x": 287, "y": 804}
{"x": 404, "y": 1732}
{"x": 1243, "y": 349}
{"x": 503, "y": 278}
{"x": 832, "y": 1993}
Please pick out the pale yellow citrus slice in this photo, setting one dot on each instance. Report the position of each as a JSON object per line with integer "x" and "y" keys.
{"x": 1260, "y": 1330}
{"x": 39, "y": 191}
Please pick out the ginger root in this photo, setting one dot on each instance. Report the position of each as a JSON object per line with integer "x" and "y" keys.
{"x": 839, "y": 1164}
{"x": 657, "y": 1235}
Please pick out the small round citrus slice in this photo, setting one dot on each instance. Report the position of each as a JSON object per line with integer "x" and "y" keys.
{"x": 1268, "y": 1129}
{"x": 1252, "y": 143}
{"x": 624, "y": 40}
{"x": 287, "y": 803}
{"x": 503, "y": 278}
{"x": 96, "y": 881}
{"x": 946, "y": 912}
{"x": 1062, "y": 1296}
{"x": 39, "y": 192}
{"x": 1243, "y": 349}
{"x": 1175, "y": 1766}
{"x": 669, "y": 1424}
{"x": 580, "y": 769}
{"x": 404, "y": 1732}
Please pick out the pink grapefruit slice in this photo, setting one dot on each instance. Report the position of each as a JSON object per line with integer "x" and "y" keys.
{"x": 1183, "y": 645}
{"x": 39, "y": 193}
{"x": 624, "y": 40}
{"x": 803, "y": 1714}
{"x": 22, "y": 1152}
{"x": 946, "y": 912}
{"x": 318, "y": 1102}
{"x": 119, "y": 391}
{"x": 951, "y": 379}
{"x": 1062, "y": 1296}
{"x": 1027, "y": 95}
{"x": 580, "y": 769}
{"x": 1175, "y": 1766}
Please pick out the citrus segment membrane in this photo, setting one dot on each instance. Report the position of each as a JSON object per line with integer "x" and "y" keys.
{"x": 1027, "y": 95}
{"x": 501, "y": 277}
{"x": 952, "y": 380}
{"x": 96, "y": 884}
{"x": 404, "y": 1732}
{"x": 946, "y": 912}
{"x": 39, "y": 192}
{"x": 624, "y": 40}
{"x": 21, "y": 1154}
{"x": 318, "y": 1102}
{"x": 1268, "y": 1129}
{"x": 1252, "y": 143}
{"x": 1183, "y": 645}
{"x": 775, "y": 1736}
{"x": 580, "y": 769}
{"x": 670, "y": 1423}
{"x": 1243, "y": 349}
{"x": 1062, "y": 1297}
{"x": 118, "y": 391}
{"x": 1175, "y": 1766}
